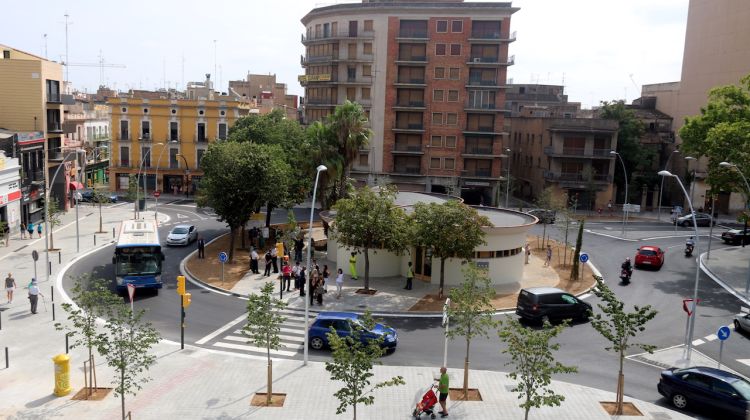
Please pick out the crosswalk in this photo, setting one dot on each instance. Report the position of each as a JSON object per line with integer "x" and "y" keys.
{"x": 291, "y": 335}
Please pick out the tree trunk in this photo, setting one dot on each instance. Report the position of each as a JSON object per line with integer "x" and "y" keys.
{"x": 367, "y": 269}
{"x": 544, "y": 233}
{"x": 51, "y": 240}
{"x": 122, "y": 386}
{"x": 355, "y": 411}
{"x": 100, "y": 217}
{"x": 232, "y": 234}
{"x": 466, "y": 365}
{"x": 270, "y": 381}
{"x": 242, "y": 241}
{"x": 620, "y": 386}
{"x": 442, "y": 277}
{"x": 269, "y": 210}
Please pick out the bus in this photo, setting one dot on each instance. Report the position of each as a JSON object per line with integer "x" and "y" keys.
{"x": 138, "y": 257}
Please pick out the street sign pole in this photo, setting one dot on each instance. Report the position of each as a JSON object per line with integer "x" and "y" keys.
{"x": 223, "y": 258}
{"x": 35, "y": 257}
{"x": 723, "y": 335}
{"x": 446, "y": 321}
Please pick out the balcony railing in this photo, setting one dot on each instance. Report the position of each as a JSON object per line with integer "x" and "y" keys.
{"x": 199, "y": 139}
{"x": 408, "y": 126}
{"x": 419, "y": 58}
{"x": 576, "y": 177}
{"x": 481, "y": 129}
{"x": 54, "y": 127}
{"x": 478, "y": 150}
{"x": 483, "y": 59}
{"x": 317, "y": 59}
{"x": 336, "y": 34}
{"x": 481, "y": 82}
{"x": 492, "y": 35}
{"x": 473, "y": 105}
{"x": 412, "y": 170}
{"x": 484, "y": 173}
{"x": 412, "y": 104}
{"x": 412, "y": 34}
{"x": 145, "y": 137}
{"x": 53, "y": 97}
{"x": 411, "y": 81}
{"x": 603, "y": 152}
{"x": 124, "y": 136}
{"x": 574, "y": 151}
{"x": 400, "y": 147}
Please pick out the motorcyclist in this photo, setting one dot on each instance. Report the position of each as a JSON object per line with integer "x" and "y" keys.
{"x": 689, "y": 244}
{"x": 627, "y": 266}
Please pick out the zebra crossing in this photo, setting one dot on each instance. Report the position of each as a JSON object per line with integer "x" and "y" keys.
{"x": 291, "y": 336}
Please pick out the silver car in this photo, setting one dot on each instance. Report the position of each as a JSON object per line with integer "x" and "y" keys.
{"x": 182, "y": 235}
{"x": 742, "y": 322}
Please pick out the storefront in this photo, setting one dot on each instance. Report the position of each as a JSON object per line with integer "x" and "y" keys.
{"x": 10, "y": 192}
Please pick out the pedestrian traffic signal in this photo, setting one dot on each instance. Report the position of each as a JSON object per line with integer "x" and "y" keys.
{"x": 181, "y": 285}
{"x": 186, "y": 300}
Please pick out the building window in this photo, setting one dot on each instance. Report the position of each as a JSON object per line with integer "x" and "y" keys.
{"x": 351, "y": 73}
{"x": 222, "y": 131}
{"x": 174, "y": 111}
{"x": 146, "y": 130}
{"x": 222, "y": 113}
{"x": 351, "y": 94}
{"x": 366, "y": 94}
{"x": 437, "y": 95}
{"x": 454, "y": 73}
{"x": 173, "y": 131}
{"x": 452, "y": 96}
{"x": 367, "y": 70}
{"x": 440, "y": 72}
{"x": 124, "y": 110}
{"x": 451, "y": 119}
{"x": 457, "y": 26}
{"x": 125, "y": 157}
{"x": 124, "y": 131}
{"x": 450, "y": 142}
{"x": 146, "y": 157}
{"x": 201, "y": 132}
{"x": 6, "y": 54}
{"x": 367, "y": 48}
{"x": 201, "y": 112}
{"x": 436, "y": 141}
{"x": 173, "y": 164}
{"x": 449, "y": 163}
{"x": 368, "y": 25}
{"x": 363, "y": 161}
{"x": 53, "y": 91}
{"x": 435, "y": 163}
{"x": 352, "y": 50}
{"x": 437, "y": 118}
{"x": 439, "y": 49}
{"x": 145, "y": 110}
{"x": 442, "y": 26}
{"x": 455, "y": 49}
{"x": 200, "y": 153}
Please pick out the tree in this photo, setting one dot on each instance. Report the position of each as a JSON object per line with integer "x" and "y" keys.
{"x": 352, "y": 363}
{"x": 348, "y": 123}
{"x": 125, "y": 344}
{"x": 92, "y": 300}
{"x": 451, "y": 229}
{"x": 53, "y": 220}
{"x": 722, "y": 133}
{"x": 548, "y": 201}
{"x": 618, "y": 326}
{"x": 99, "y": 197}
{"x": 134, "y": 193}
{"x": 371, "y": 220}
{"x": 470, "y": 311}
{"x": 533, "y": 363}
{"x": 263, "y": 326}
{"x": 237, "y": 178}
{"x": 325, "y": 150}
{"x": 577, "y": 253}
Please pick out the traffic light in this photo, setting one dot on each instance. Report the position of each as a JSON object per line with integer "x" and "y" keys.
{"x": 280, "y": 249}
{"x": 181, "y": 285}
{"x": 186, "y": 300}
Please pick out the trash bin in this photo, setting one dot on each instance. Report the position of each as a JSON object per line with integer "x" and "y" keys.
{"x": 141, "y": 204}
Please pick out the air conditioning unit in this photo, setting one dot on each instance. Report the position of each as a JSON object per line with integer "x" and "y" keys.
{"x": 477, "y": 60}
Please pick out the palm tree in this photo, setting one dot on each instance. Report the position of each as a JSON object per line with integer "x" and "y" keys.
{"x": 325, "y": 151}
{"x": 349, "y": 125}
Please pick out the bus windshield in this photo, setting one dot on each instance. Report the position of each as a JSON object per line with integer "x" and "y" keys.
{"x": 138, "y": 261}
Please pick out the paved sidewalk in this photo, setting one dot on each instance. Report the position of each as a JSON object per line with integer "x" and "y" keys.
{"x": 729, "y": 268}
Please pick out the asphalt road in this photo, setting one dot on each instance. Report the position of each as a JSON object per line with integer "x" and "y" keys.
{"x": 421, "y": 340}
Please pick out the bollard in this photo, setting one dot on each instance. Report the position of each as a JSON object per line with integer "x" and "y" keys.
{"x": 52, "y": 293}
{"x": 62, "y": 374}
{"x": 66, "y": 343}
{"x": 53, "y": 311}
{"x": 1, "y": 321}
{"x": 113, "y": 233}
{"x": 59, "y": 257}
{"x": 7, "y": 362}
{"x": 50, "y": 267}
{"x": 94, "y": 239}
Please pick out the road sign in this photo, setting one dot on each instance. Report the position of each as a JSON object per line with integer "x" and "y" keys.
{"x": 35, "y": 255}
{"x": 685, "y": 306}
{"x": 723, "y": 333}
{"x": 223, "y": 257}
{"x": 584, "y": 257}
{"x": 157, "y": 193}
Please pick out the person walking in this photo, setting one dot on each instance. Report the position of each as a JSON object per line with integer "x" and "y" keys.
{"x": 353, "y": 265}
{"x": 302, "y": 281}
{"x": 254, "y": 261}
{"x": 527, "y": 253}
{"x": 548, "y": 258}
{"x": 322, "y": 281}
{"x": 286, "y": 276}
{"x": 314, "y": 280}
{"x": 295, "y": 274}
{"x": 6, "y": 233}
{"x": 23, "y": 230}
{"x": 267, "y": 257}
{"x": 10, "y": 287}
{"x": 264, "y": 235}
{"x": 39, "y": 229}
{"x": 30, "y": 229}
{"x": 609, "y": 207}
{"x": 274, "y": 259}
{"x": 443, "y": 389}
{"x": 299, "y": 244}
{"x": 34, "y": 294}
{"x": 409, "y": 277}
{"x": 339, "y": 283}
{"x": 201, "y": 247}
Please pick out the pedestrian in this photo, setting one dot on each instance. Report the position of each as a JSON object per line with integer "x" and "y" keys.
{"x": 10, "y": 286}
{"x": 23, "y": 230}
{"x": 274, "y": 259}
{"x": 30, "y": 229}
{"x": 264, "y": 236}
{"x": 322, "y": 282}
{"x": 548, "y": 259}
{"x": 353, "y": 265}
{"x": 409, "y": 277}
{"x": 34, "y": 294}
{"x": 267, "y": 257}
{"x": 339, "y": 282}
{"x": 39, "y": 229}
{"x": 254, "y": 236}
{"x": 527, "y": 252}
{"x": 314, "y": 281}
{"x": 286, "y": 276}
{"x": 295, "y": 274}
{"x": 609, "y": 207}
{"x": 6, "y": 233}
{"x": 302, "y": 281}
{"x": 443, "y": 389}
{"x": 299, "y": 244}
{"x": 201, "y": 247}
{"x": 254, "y": 261}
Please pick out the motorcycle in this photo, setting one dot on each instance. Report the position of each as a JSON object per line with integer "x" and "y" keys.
{"x": 625, "y": 275}
{"x": 689, "y": 250}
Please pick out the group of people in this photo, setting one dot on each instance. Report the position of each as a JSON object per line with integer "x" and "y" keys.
{"x": 30, "y": 229}
{"x": 34, "y": 292}
{"x": 318, "y": 280}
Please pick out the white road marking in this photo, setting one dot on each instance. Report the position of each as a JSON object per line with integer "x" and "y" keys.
{"x": 180, "y": 216}
{"x": 221, "y": 329}
{"x": 711, "y": 337}
{"x": 610, "y": 236}
{"x": 744, "y": 361}
{"x": 255, "y": 349}
{"x": 698, "y": 342}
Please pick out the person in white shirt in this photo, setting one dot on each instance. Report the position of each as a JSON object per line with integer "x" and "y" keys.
{"x": 254, "y": 261}
{"x": 339, "y": 282}
{"x": 34, "y": 294}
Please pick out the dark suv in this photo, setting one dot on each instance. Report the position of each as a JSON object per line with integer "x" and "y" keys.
{"x": 539, "y": 304}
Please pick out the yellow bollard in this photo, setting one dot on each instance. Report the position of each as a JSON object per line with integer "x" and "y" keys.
{"x": 62, "y": 374}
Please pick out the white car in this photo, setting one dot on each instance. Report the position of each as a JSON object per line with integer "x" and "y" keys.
{"x": 182, "y": 235}
{"x": 742, "y": 322}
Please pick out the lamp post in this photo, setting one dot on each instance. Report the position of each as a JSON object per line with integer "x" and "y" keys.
{"x": 732, "y": 165}
{"x": 141, "y": 167}
{"x": 507, "y": 178}
{"x": 691, "y": 318}
{"x": 661, "y": 187}
{"x": 75, "y": 200}
{"x": 320, "y": 169}
{"x": 625, "y": 206}
{"x": 156, "y": 180}
{"x": 187, "y": 171}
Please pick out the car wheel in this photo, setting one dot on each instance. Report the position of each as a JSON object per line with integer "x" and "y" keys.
{"x": 737, "y": 326}
{"x": 679, "y": 401}
{"x": 316, "y": 343}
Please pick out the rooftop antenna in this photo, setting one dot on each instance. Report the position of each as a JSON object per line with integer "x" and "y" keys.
{"x": 182, "y": 80}
{"x": 67, "y": 57}
{"x": 45, "y": 45}
{"x": 215, "y": 73}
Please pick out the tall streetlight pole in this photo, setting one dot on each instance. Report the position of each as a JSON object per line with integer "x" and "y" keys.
{"x": 625, "y": 206}
{"x": 320, "y": 169}
{"x": 692, "y": 182}
{"x": 661, "y": 187}
{"x": 691, "y": 317}
{"x": 187, "y": 170}
{"x": 507, "y": 178}
{"x": 156, "y": 180}
{"x": 141, "y": 167}
{"x": 732, "y": 165}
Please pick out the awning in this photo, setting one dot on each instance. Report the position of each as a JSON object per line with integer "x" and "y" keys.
{"x": 75, "y": 185}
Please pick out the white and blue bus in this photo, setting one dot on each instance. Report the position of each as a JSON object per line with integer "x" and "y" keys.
{"x": 138, "y": 257}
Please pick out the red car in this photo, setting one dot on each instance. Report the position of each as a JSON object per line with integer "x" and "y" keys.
{"x": 649, "y": 256}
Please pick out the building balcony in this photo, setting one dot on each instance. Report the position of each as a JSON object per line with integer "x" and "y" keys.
{"x": 336, "y": 35}
{"x": 478, "y": 173}
{"x": 475, "y": 83}
{"x": 320, "y": 103}
{"x": 54, "y": 127}
{"x": 369, "y": 58}
{"x": 54, "y": 98}
{"x": 483, "y": 130}
{"x": 409, "y": 82}
{"x": 486, "y": 108}
{"x": 200, "y": 139}
{"x": 408, "y": 128}
{"x": 145, "y": 138}
{"x": 480, "y": 152}
{"x": 305, "y": 60}
{"x": 409, "y": 105}
{"x": 412, "y": 59}
{"x": 412, "y": 36}
{"x": 407, "y": 170}
{"x": 491, "y": 37}
{"x": 491, "y": 61}
{"x": 407, "y": 149}
{"x": 305, "y": 79}
{"x": 576, "y": 177}
{"x": 579, "y": 152}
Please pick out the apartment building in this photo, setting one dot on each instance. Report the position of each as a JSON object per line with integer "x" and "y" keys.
{"x": 264, "y": 92}
{"x": 167, "y": 139}
{"x": 549, "y": 100}
{"x": 32, "y": 102}
{"x": 87, "y": 126}
{"x": 431, "y": 76}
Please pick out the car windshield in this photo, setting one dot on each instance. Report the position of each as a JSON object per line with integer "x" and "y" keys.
{"x": 180, "y": 230}
{"x": 647, "y": 252}
{"x": 743, "y": 387}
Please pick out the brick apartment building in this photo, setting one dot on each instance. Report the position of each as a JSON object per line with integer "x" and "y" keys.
{"x": 431, "y": 76}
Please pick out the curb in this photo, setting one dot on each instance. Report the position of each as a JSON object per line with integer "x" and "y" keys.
{"x": 390, "y": 314}
{"x": 707, "y": 271}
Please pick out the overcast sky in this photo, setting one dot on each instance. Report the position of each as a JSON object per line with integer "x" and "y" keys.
{"x": 599, "y": 49}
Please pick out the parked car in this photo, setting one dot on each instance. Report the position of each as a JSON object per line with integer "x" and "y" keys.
{"x": 705, "y": 388}
{"x": 344, "y": 323}
{"x": 736, "y": 237}
{"x": 545, "y": 216}
{"x": 702, "y": 219}
{"x": 742, "y": 322}
{"x": 87, "y": 196}
{"x": 540, "y": 304}
{"x": 182, "y": 235}
{"x": 649, "y": 256}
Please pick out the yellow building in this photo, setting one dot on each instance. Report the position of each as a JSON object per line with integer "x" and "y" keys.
{"x": 168, "y": 137}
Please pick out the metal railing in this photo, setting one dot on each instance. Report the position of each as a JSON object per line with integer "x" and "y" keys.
{"x": 412, "y": 58}
{"x": 478, "y": 150}
{"x": 576, "y": 177}
{"x": 406, "y": 170}
{"x": 337, "y": 34}
{"x": 400, "y": 147}
{"x": 485, "y": 173}
{"x": 418, "y": 104}
{"x": 406, "y": 80}
{"x": 417, "y": 34}
{"x": 408, "y": 126}
{"x": 575, "y": 151}
{"x": 473, "y": 105}
{"x": 482, "y": 82}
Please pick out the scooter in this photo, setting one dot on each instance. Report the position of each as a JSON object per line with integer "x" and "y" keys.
{"x": 689, "y": 250}
{"x": 625, "y": 276}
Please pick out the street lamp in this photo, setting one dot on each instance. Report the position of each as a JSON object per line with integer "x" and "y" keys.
{"x": 625, "y": 206}
{"x": 141, "y": 167}
{"x": 691, "y": 318}
{"x": 507, "y": 178}
{"x": 156, "y": 180}
{"x": 661, "y": 187}
{"x": 732, "y": 165}
{"x": 187, "y": 173}
{"x": 320, "y": 169}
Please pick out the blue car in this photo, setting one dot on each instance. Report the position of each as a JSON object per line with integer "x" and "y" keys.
{"x": 343, "y": 323}
{"x": 705, "y": 388}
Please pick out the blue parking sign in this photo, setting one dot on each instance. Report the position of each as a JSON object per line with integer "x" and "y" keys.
{"x": 223, "y": 257}
{"x": 723, "y": 333}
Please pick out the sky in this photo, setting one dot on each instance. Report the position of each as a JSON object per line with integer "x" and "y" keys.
{"x": 599, "y": 49}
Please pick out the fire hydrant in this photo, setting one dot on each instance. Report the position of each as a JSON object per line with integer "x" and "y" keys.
{"x": 62, "y": 374}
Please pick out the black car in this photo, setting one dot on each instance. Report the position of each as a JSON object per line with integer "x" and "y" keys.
{"x": 540, "y": 304}
{"x": 705, "y": 388}
{"x": 736, "y": 237}
{"x": 701, "y": 219}
{"x": 545, "y": 216}
{"x": 87, "y": 196}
